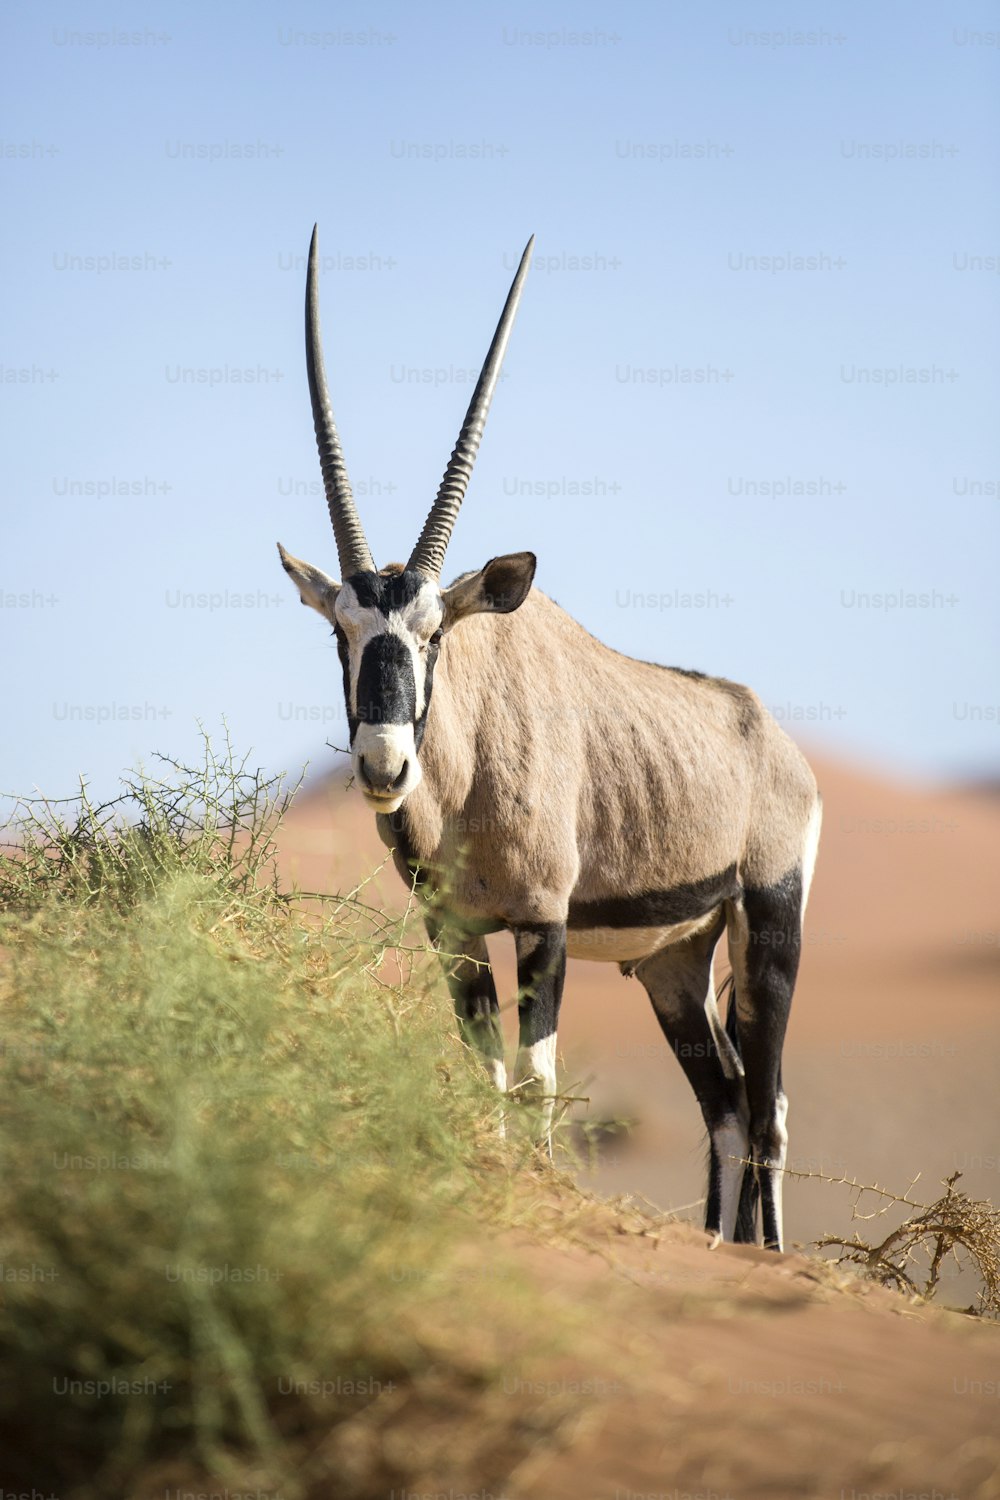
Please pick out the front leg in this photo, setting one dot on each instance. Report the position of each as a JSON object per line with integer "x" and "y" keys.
{"x": 541, "y": 970}
{"x": 470, "y": 979}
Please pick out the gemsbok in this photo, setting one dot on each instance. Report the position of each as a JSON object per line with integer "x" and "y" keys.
{"x": 530, "y": 779}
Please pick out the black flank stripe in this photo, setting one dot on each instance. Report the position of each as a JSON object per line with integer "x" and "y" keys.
{"x": 679, "y": 903}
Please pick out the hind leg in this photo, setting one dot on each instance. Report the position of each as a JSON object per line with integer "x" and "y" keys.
{"x": 679, "y": 982}
{"x": 765, "y": 940}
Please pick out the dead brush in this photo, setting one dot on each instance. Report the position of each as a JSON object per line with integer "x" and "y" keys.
{"x": 911, "y": 1256}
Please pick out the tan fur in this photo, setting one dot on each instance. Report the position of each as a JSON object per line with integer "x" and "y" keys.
{"x": 555, "y": 767}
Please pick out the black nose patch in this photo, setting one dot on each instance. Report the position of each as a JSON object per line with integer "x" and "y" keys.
{"x": 387, "y": 693}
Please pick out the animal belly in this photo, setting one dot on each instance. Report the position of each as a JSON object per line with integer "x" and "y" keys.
{"x": 620, "y": 945}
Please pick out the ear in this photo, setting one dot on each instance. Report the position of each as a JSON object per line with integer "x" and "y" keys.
{"x": 315, "y": 588}
{"x": 498, "y": 589}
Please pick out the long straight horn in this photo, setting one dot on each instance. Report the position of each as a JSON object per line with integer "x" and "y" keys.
{"x": 352, "y": 545}
{"x": 428, "y": 554}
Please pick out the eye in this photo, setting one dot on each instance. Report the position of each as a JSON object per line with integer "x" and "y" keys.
{"x": 431, "y": 643}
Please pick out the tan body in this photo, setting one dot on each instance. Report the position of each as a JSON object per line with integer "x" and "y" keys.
{"x": 557, "y": 771}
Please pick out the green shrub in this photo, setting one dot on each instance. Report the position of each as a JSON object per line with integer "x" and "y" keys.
{"x": 236, "y": 1165}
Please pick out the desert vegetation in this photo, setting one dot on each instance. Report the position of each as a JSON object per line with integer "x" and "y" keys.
{"x": 244, "y": 1181}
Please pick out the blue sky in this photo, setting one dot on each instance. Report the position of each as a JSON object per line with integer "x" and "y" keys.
{"x": 748, "y": 419}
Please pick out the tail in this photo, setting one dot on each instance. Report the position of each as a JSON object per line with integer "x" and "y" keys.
{"x": 746, "y": 1215}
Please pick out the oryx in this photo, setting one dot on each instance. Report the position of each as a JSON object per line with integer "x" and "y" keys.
{"x": 584, "y": 801}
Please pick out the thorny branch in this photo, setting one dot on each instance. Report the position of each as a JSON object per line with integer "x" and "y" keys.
{"x": 936, "y": 1230}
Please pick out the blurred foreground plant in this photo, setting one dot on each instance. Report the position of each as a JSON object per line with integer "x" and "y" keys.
{"x": 248, "y": 1186}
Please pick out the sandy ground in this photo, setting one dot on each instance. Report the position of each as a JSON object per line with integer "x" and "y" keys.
{"x": 892, "y": 1055}
{"x": 749, "y": 1377}
{"x": 664, "y": 1370}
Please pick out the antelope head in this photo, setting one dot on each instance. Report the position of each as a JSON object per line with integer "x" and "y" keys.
{"x": 389, "y": 623}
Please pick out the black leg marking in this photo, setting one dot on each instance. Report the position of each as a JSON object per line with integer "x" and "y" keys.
{"x": 541, "y": 971}
{"x": 678, "y": 981}
{"x": 465, "y": 961}
{"x": 765, "y": 944}
{"x": 746, "y": 1214}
